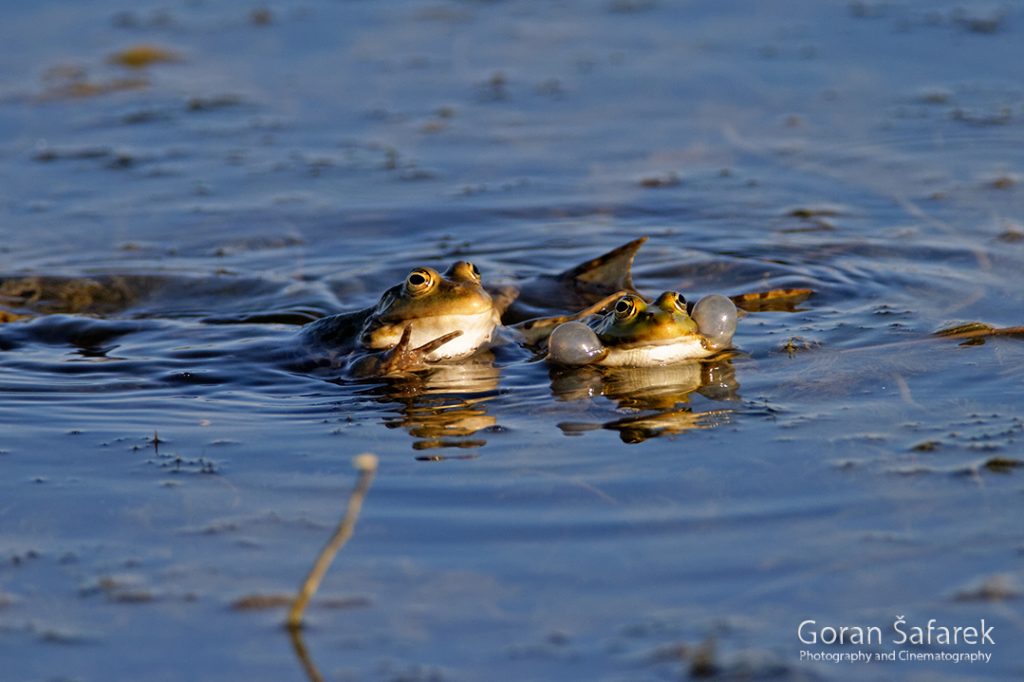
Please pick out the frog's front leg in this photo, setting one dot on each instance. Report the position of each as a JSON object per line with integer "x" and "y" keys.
{"x": 538, "y": 329}
{"x": 403, "y": 357}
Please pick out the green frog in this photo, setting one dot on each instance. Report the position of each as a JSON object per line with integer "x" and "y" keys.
{"x": 634, "y": 333}
{"x": 433, "y": 317}
{"x": 430, "y": 317}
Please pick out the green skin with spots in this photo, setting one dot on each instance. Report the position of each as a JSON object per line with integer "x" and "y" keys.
{"x": 632, "y": 322}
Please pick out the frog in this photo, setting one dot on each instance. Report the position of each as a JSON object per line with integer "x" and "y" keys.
{"x": 435, "y": 317}
{"x": 580, "y": 286}
{"x": 430, "y": 317}
{"x": 635, "y": 333}
{"x": 427, "y": 318}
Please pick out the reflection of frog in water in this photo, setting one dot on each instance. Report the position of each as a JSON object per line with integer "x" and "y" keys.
{"x": 657, "y": 397}
{"x": 445, "y": 407}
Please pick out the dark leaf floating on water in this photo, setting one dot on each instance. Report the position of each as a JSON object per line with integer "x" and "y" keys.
{"x": 1002, "y": 465}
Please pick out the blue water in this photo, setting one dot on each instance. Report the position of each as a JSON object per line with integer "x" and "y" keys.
{"x": 844, "y": 466}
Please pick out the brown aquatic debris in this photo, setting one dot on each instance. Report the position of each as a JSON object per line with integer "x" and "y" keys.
{"x": 978, "y": 330}
{"x": 998, "y": 587}
{"x": 80, "y": 89}
{"x": 48, "y": 295}
{"x": 8, "y": 316}
{"x": 659, "y": 181}
{"x": 774, "y": 299}
{"x": 142, "y": 55}
{"x": 1002, "y": 465}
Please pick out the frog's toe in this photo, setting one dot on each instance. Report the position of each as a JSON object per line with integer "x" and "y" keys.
{"x": 404, "y": 358}
{"x": 429, "y": 347}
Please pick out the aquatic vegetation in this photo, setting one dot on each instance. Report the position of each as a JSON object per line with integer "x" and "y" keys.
{"x": 143, "y": 55}
{"x": 978, "y": 331}
{"x": 774, "y": 300}
{"x": 78, "y": 89}
{"x": 51, "y": 295}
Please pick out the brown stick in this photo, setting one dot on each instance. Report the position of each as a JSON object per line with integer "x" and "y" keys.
{"x": 366, "y": 464}
{"x": 305, "y": 660}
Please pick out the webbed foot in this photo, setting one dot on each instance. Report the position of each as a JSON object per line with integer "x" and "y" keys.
{"x": 403, "y": 358}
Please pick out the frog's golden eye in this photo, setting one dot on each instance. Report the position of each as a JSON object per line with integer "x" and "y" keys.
{"x": 627, "y": 307}
{"x": 464, "y": 271}
{"x": 419, "y": 282}
{"x": 672, "y": 302}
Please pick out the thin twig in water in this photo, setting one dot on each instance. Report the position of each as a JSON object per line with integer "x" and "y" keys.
{"x": 304, "y": 658}
{"x": 366, "y": 464}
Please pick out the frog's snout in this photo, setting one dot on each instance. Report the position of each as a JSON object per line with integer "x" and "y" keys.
{"x": 574, "y": 343}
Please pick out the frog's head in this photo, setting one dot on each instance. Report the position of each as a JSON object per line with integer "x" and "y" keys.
{"x": 434, "y": 305}
{"x": 632, "y": 322}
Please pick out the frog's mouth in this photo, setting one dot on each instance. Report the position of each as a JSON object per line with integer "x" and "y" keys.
{"x": 654, "y": 354}
{"x": 476, "y": 328}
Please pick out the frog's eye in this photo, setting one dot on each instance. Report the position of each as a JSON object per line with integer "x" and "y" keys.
{"x": 419, "y": 282}
{"x": 463, "y": 271}
{"x": 672, "y": 302}
{"x": 627, "y": 307}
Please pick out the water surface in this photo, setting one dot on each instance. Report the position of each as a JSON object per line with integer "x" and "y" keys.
{"x": 292, "y": 161}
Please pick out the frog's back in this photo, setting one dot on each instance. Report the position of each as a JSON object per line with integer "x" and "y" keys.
{"x": 580, "y": 286}
{"x": 338, "y": 332}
